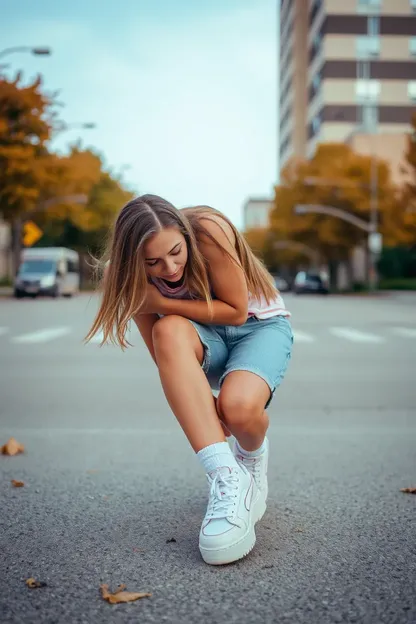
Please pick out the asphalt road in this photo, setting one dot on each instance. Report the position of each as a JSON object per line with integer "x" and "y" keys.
{"x": 109, "y": 477}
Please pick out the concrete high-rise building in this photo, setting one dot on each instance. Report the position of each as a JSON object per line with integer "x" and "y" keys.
{"x": 293, "y": 76}
{"x": 256, "y": 211}
{"x": 347, "y": 70}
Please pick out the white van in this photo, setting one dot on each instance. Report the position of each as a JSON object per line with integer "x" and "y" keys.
{"x": 52, "y": 271}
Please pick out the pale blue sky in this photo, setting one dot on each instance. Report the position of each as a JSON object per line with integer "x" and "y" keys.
{"x": 182, "y": 91}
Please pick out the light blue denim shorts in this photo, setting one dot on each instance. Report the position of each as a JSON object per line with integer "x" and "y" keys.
{"x": 262, "y": 347}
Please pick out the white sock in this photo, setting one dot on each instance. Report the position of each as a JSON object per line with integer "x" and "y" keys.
{"x": 216, "y": 456}
{"x": 255, "y": 453}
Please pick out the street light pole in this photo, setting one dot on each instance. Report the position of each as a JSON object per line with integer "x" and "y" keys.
{"x": 373, "y": 236}
{"x": 338, "y": 213}
{"x": 88, "y": 125}
{"x": 38, "y": 51}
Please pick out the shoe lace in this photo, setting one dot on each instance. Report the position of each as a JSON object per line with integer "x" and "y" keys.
{"x": 253, "y": 465}
{"x": 223, "y": 495}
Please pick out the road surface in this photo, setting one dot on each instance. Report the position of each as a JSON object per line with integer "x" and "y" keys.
{"x": 110, "y": 479}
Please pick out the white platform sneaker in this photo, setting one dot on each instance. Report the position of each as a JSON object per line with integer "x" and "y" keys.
{"x": 235, "y": 505}
{"x": 257, "y": 466}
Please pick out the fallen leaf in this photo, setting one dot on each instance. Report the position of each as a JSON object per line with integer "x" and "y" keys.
{"x": 12, "y": 447}
{"x": 120, "y": 595}
{"x": 17, "y": 483}
{"x": 33, "y": 584}
{"x": 170, "y": 540}
{"x": 411, "y": 490}
{"x": 92, "y": 471}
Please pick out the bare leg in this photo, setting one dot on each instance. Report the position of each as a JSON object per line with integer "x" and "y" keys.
{"x": 241, "y": 405}
{"x": 225, "y": 429}
{"x": 179, "y": 355}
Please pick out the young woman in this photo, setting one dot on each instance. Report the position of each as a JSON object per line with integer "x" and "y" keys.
{"x": 211, "y": 318}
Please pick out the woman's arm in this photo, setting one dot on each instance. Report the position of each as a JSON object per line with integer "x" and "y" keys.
{"x": 145, "y": 324}
{"x": 227, "y": 280}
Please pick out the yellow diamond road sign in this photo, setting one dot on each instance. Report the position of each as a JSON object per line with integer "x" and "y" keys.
{"x": 31, "y": 233}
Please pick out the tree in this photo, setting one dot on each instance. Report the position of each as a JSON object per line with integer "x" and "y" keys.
{"x": 32, "y": 178}
{"x": 403, "y": 221}
{"x": 26, "y": 124}
{"x": 85, "y": 226}
{"x": 347, "y": 186}
{"x": 257, "y": 239}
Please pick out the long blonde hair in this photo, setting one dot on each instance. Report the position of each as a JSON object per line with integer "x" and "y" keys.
{"x": 125, "y": 283}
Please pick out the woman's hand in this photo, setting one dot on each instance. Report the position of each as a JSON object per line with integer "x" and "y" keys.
{"x": 154, "y": 302}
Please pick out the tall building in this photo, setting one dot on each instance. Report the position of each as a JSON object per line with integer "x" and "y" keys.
{"x": 359, "y": 72}
{"x": 256, "y": 211}
{"x": 293, "y": 75}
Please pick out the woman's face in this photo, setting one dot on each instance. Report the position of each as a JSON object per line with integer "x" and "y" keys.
{"x": 166, "y": 255}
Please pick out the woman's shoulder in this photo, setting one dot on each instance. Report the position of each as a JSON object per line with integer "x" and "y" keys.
{"x": 209, "y": 222}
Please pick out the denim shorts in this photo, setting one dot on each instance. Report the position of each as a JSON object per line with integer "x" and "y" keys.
{"x": 262, "y": 347}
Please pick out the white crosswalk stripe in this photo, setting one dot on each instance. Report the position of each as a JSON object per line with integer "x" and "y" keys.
{"x": 405, "y": 332}
{"x": 354, "y": 335}
{"x": 349, "y": 334}
{"x": 300, "y": 336}
{"x": 42, "y": 335}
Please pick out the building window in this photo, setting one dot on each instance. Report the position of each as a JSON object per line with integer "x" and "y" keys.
{"x": 363, "y": 70}
{"x": 411, "y": 90}
{"x": 369, "y": 117}
{"x": 285, "y": 144}
{"x": 314, "y": 11}
{"x": 316, "y": 124}
{"x": 412, "y": 46}
{"x": 367, "y": 90}
{"x": 413, "y": 5}
{"x": 285, "y": 118}
{"x": 368, "y": 5}
{"x": 315, "y": 47}
{"x": 368, "y": 46}
{"x": 374, "y": 26}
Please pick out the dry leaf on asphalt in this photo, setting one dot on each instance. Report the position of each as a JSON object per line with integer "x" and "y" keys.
{"x": 120, "y": 595}
{"x": 33, "y": 584}
{"x": 411, "y": 490}
{"x": 17, "y": 483}
{"x": 12, "y": 447}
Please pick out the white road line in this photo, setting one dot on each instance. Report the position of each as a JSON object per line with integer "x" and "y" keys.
{"x": 354, "y": 335}
{"x": 301, "y": 336}
{"x": 42, "y": 335}
{"x": 405, "y": 332}
{"x": 3, "y": 330}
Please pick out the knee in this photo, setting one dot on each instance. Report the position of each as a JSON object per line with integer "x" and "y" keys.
{"x": 168, "y": 331}
{"x": 239, "y": 411}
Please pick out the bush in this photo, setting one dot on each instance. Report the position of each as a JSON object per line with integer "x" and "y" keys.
{"x": 398, "y": 284}
{"x": 397, "y": 262}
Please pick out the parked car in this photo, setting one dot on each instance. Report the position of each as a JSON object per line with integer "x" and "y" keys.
{"x": 306, "y": 282}
{"x": 281, "y": 284}
{"x": 52, "y": 271}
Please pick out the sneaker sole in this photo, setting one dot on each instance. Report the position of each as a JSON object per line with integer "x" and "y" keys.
{"x": 240, "y": 549}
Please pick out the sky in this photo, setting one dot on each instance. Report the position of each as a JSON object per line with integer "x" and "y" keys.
{"x": 183, "y": 92}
